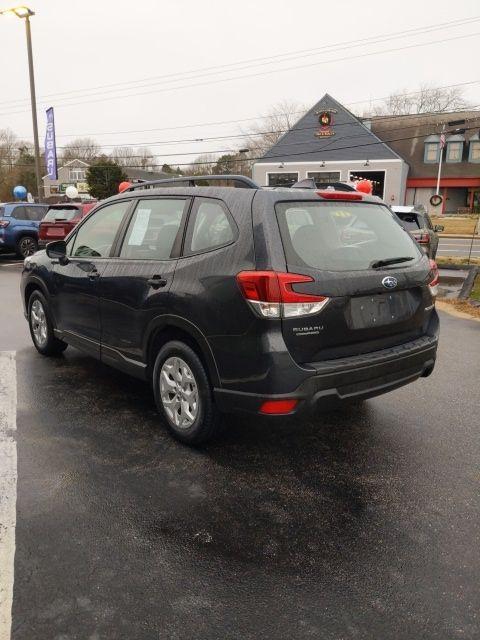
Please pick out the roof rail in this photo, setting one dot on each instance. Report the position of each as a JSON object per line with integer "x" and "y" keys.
{"x": 242, "y": 182}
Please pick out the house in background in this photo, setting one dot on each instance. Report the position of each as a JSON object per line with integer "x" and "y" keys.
{"x": 72, "y": 173}
{"x": 417, "y": 139}
{"x": 331, "y": 144}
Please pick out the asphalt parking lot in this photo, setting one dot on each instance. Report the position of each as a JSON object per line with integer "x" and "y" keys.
{"x": 361, "y": 524}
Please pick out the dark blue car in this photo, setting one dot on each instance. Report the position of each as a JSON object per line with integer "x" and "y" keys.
{"x": 19, "y": 222}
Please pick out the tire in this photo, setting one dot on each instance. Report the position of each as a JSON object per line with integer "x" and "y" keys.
{"x": 41, "y": 327}
{"x": 174, "y": 387}
{"x": 26, "y": 246}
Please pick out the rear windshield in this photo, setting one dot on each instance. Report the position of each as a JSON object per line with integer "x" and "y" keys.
{"x": 411, "y": 221}
{"x": 343, "y": 236}
{"x": 61, "y": 214}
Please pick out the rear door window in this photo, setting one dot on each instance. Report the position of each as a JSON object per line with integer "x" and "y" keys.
{"x": 19, "y": 213}
{"x": 153, "y": 229}
{"x": 210, "y": 226}
{"x": 35, "y": 213}
{"x": 343, "y": 236}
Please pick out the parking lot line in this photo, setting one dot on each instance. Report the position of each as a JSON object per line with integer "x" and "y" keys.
{"x": 8, "y": 486}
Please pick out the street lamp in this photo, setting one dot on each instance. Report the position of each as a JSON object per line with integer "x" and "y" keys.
{"x": 25, "y": 13}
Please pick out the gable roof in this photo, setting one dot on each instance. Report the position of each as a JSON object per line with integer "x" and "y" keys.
{"x": 352, "y": 140}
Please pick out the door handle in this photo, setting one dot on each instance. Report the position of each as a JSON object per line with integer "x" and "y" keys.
{"x": 93, "y": 274}
{"x": 156, "y": 282}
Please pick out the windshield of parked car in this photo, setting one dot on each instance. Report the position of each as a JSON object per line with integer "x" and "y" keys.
{"x": 67, "y": 213}
{"x": 341, "y": 236}
{"x": 411, "y": 221}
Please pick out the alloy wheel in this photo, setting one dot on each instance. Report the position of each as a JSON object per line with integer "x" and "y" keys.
{"x": 179, "y": 392}
{"x": 27, "y": 247}
{"x": 38, "y": 321}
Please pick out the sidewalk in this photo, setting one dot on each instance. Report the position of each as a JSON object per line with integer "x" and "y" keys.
{"x": 461, "y": 236}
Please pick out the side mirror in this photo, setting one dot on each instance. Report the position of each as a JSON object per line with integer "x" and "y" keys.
{"x": 438, "y": 227}
{"x": 57, "y": 251}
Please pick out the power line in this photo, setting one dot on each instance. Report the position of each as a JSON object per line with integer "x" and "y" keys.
{"x": 302, "y": 153}
{"x": 251, "y": 62}
{"x": 292, "y": 144}
{"x": 260, "y": 117}
{"x": 263, "y": 73}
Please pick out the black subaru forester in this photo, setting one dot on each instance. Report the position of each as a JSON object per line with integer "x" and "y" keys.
{"x": 273, "y": 302}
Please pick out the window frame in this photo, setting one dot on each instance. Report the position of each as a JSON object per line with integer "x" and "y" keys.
{"x": 274, "y": 173}
{"x": 339, "y": 173}
{"x": 71, "y": 238}
{"x": 178, "y": 243}
{"x": 449, "y": 147}
{"x": 471, "y": 145}
{"x": 437, "y": 155}
{"x": 188, "y": 235}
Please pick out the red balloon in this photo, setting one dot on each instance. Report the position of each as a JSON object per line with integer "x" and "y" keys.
{"x": 123, "y": 185}
{"x": 365, "y": 186}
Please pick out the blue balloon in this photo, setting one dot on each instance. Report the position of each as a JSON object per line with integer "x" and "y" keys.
{"x": 20, "y": 192}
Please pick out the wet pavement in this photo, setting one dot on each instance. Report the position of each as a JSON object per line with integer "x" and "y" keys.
{"x": 359, "y": 524}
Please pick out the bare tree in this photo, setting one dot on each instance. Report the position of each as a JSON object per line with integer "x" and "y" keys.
{"x": 86, "y": 149}
{"x": 428, "y": 99}
{"x": 9, "y": 148}
{"x": 264, "y": 133}
{"x": 144, "y": 158}
{"x": 202, "y": 165}
{"x": 124, "y": 156}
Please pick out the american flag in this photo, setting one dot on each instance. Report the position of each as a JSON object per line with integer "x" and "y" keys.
{"x": 442, "y": 140}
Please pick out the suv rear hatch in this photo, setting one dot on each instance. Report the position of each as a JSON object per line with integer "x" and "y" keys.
{"x": 374, "y": 276}
{"x": 58, "y": 222}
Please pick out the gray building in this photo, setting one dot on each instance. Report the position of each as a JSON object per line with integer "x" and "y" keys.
{"x": 330, "y": 144}
{"x": 72, "y": 173}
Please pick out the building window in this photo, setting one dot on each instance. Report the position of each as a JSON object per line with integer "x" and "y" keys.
{"x": 474, "y": 152}
{"x": 454, "y": 151}
{"x": 282, "y": 179}
{"x": 432, "y": 152}
{"x": 321, "y": 177}
{"x": 77, "y": 175}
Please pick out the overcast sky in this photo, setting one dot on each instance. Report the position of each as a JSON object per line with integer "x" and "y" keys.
{"x": 80, "y": 47}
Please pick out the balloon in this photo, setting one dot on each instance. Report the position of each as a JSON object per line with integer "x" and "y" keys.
{"x": 71, "y": 192}
{"x": 365, "y": 186}
{"x": 123, "y": 186}
{"x": 20, "y": 192}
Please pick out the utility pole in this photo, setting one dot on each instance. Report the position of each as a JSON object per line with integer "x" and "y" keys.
{"x": 33, "y": 100}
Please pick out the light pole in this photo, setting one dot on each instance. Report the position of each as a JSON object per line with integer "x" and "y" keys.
{"x": 25, "y": 13}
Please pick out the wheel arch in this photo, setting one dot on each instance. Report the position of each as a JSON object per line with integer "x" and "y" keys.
{"x": 166, "y": 328}
{"x": 32, "y": 285}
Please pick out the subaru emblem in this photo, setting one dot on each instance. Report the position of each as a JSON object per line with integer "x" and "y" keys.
{"x": 390, "y": 282}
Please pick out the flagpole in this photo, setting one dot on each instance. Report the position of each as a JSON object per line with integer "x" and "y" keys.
{"x": 442, "y": 144}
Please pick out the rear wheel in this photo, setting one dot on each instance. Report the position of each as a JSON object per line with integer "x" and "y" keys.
{"x": 183, "y": 394}
{"x": 26, "y": 246}
{"x": 41, "y": 327}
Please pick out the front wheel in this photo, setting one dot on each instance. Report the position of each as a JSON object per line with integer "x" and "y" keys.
{"x": 41, "y": 327}
{"x": 26, "y": 246}
{"x": 183, "y": 394}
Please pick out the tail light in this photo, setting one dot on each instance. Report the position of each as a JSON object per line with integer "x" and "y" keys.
{"x": 422, "y": 238}
{"x": 270, "y": 294}
{"x": 340, "y": 195}
{"x": 4, "y": 223}
{"x": 434, "y": 279}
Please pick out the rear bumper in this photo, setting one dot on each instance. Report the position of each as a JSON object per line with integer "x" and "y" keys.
{"x": 358, "y": 377}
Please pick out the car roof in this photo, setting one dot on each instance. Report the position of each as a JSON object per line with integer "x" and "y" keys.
{"x": 232, "y": 194}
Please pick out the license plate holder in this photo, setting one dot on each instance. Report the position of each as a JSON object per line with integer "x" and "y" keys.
{"x": 377, "y": 310}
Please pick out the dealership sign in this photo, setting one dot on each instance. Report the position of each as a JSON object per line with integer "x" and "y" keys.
{"x": 325, "y": 120}
{"x": 50, "y": 146}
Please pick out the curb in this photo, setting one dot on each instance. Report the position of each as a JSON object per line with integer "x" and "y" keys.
{"x": 459, "y": 236}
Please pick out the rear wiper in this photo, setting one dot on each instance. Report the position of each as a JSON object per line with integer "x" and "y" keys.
{"x": 376, "y": 264}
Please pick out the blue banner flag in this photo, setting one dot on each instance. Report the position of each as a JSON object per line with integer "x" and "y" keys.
{"x": 50, "y": 146}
